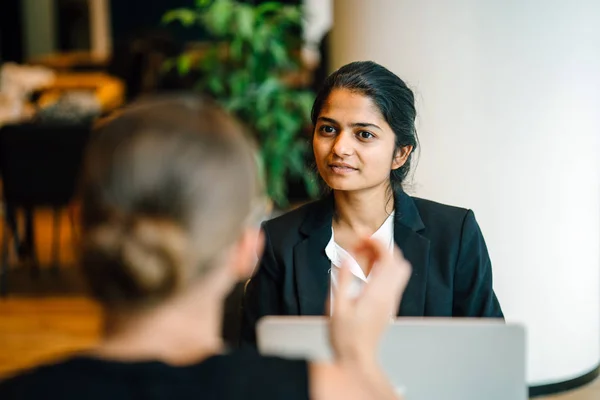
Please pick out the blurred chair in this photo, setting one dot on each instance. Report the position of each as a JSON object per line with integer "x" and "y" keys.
{"x": 39, "y": 167}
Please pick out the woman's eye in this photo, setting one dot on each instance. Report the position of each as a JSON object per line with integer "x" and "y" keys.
{"x": 365, "y": 135}
{"x": 327, "y": 129}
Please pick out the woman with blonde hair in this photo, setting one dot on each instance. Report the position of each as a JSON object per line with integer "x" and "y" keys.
{"x": 171, "y": 207}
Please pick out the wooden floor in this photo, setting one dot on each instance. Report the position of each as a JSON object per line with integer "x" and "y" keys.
{"x": 36, "y": 329}
{"x": 39, "y": 330}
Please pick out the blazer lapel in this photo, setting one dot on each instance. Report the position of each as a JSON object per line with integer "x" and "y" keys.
{"x": 311, "y": 266}
{"x": 416, "y": 250}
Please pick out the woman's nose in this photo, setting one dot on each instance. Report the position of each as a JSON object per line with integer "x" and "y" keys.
{"x": 342, "y": 146}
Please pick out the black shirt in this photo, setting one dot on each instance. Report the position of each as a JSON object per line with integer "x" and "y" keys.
{"x": 238, "y": 375}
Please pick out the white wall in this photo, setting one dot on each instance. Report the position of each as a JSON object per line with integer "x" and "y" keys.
{"x": 509, "y": 121}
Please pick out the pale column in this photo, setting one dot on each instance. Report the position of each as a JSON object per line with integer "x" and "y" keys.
{"x": 508, "y": 96}
{"x": 101, "y": 42}
{"x": 318, "y": 17}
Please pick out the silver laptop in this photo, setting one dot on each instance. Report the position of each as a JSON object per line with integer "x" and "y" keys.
{"x": 426, "y": 359}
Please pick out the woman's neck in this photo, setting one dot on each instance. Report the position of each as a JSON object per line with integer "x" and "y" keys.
{"x": 363, "y": 211}
{"x": 175, "y": 333}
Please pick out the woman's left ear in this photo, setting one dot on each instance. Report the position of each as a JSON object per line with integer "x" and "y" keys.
{"x": 401, "y": 156}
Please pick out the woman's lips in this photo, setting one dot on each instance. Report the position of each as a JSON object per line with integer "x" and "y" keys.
{"x": 342, "y": 169}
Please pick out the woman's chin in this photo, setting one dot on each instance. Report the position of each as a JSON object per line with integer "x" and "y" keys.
{"x": 335, "y": 184}
{"x": 351, "y": 185}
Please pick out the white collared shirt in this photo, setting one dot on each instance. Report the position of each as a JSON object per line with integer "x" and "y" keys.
{"x": 336, "y": 254}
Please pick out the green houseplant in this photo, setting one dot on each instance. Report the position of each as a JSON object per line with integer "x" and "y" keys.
{"x": 253, "y": 51}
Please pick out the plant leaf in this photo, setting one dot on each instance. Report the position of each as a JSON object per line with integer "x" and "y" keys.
{"x": 184, "y": 64}
{"x": 185, "y": 16}
{"x": 267, "y": 8}
{"x": 245, "y": 21}
{"x": 218, "y": 17}
{"x": 236, "y": 49}
{"x": 238, "y": 82}
{"x": 311, "y": 182}
{"x": 252, "y": 48}
{"x": 215, "y": 85}
{"x": 279, "y": 52}
{"x": 203, "y": 3}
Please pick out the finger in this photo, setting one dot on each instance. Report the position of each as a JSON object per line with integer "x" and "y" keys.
{"x": 391, "y": 272}
{"x": 388, "y": 278}
{"x": 371, "y": 249}
{"x": 378, "y": 254}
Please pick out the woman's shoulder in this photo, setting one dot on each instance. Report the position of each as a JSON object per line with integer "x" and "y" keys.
{"x": 269, "y": 377}
{"x": 439, "y": 216}
{"x": 292, "y": 220}
{"x": 61, "y": 379}
{"x": 240, "y": 374}
{"x": 429, "y": 207}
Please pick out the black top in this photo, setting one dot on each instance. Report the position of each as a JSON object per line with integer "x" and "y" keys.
{"x": 451, "y": 268}
{"x": 239, "y": 375}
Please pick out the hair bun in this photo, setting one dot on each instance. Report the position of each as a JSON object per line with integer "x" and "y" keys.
{"x": 147, "y": 256}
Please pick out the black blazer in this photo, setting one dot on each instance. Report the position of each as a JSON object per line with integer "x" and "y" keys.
{"x": 451, "y": 269}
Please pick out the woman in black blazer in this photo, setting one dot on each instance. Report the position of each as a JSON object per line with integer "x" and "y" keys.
{"x": 363, "y": 142}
